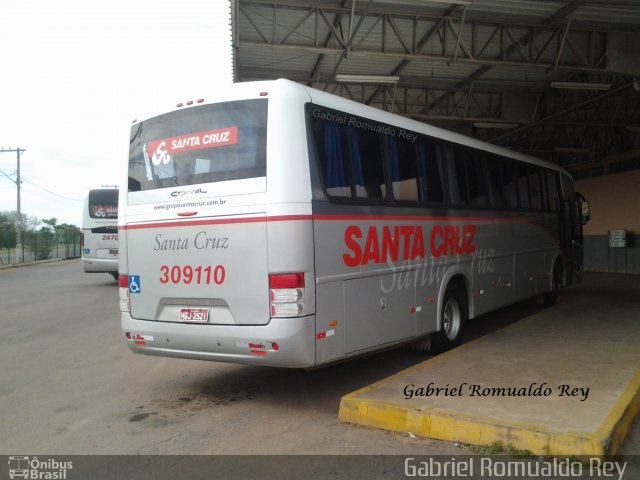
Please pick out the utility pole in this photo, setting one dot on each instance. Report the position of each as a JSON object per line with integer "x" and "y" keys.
{"x": 19, "y": 254}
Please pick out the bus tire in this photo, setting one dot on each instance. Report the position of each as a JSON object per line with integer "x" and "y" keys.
{"x": 549, "y": 298}
{"x": 423, "y": 345}
{"x": 454, "y": 314}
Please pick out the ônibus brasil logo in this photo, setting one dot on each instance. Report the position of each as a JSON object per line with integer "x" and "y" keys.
{"x": 37, "y": 469}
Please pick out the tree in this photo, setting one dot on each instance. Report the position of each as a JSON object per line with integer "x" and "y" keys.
{"x": 38, "y": 236}
{"x": 7, "y": 231}
{"x": 51, "y": 222}
{"x": 71, "y": 230}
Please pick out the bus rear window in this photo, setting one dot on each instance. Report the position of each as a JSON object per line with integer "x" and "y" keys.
{"x": 203, "y": 144}
{"x": 103, "y": 203}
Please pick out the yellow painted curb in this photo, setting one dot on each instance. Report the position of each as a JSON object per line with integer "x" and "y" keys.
{"x": 617, "y": 424}
{"x": 457, "y": 426}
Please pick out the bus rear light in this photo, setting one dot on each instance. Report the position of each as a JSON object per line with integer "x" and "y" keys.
{"x": 286, "y": 280}
{"x": 275, "y": 347}
{"x": 287, "y": 309}
{"x": 125, "y": 303}
{"x": 81, "y": 240}
{"x": 128, "y": 335}
{"x": 286, "y": 294}
{"x": 123, "y": 293}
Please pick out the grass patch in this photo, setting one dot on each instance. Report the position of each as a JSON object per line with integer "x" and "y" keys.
{"x": 497, "y": 448}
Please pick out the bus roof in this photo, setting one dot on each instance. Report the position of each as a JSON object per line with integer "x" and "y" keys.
{"x": 247, "y": 90}
{"x": 350, "y": 106}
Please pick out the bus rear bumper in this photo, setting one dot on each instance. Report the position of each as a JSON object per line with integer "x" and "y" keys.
{"x": 100, "y": 265}
{"x": 283, "y": 342}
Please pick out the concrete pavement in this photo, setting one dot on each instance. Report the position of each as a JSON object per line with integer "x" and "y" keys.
{"x": 565, "y": 381}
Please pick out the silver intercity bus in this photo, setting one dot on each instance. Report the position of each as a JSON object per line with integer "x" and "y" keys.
{"x": 99, "y": 236}
{"x": 278, "y": 225}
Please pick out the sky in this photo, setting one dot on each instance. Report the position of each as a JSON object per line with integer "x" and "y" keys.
{"x": 76, "y": 73}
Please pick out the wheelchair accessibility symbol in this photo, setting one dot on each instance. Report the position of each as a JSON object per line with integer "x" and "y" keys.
{"x": 134, "y": 283}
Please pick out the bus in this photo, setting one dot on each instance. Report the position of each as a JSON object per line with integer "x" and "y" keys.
{"x": 99, "y": 236}
{"x": 275, "y": 224}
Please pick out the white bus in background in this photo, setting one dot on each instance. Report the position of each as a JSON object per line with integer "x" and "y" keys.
{"x": 99, "y": 236}
{"x": 279, "y": 225}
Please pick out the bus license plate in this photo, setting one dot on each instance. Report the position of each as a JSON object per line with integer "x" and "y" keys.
{"x": 113, "y": 251}
{"x": 194, "y": 315}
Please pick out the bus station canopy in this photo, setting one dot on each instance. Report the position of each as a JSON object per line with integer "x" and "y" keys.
{"x": 557, "y": 79}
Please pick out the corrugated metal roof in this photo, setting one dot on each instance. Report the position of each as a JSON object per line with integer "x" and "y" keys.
{"x": 503, "y": 45}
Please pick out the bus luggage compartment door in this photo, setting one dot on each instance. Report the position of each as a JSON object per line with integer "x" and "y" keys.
{"x": 211, "y": 270}
{"x": 377, "y": 313}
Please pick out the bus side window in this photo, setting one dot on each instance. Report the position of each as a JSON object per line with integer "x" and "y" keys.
{"x": 534, "y": 188}
{"x": 476, "y": 176}
{"x": 329, "y": 146}
{"x": 494, "y": 168}
{"x": 544, "y": 197}
{"x": 430, "y": 171}
{"x": 404, "y": 169}
{"x": 367, "y": 164}
{"x": 509, "y": 190}
{"x": 523, "y": 186}
{"x": 457, "y": 174}
{"x": 552, "y": 190}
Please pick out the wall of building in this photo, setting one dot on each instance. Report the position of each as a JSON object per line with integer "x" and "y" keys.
{"x": 614, "y": 201}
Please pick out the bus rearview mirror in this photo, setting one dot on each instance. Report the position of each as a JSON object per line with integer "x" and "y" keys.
{"x": 585, "y": 214}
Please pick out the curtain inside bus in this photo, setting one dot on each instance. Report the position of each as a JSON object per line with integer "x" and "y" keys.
{"x": 422, "y": 171}
{"x": 335, "y": 176}
{"x": 356, "y": 161}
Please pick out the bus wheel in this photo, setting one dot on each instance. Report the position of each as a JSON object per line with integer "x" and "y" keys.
{"x": 549, "y": 298}
{"x": 422, "y": 345}
{"x": 454, "y": 318}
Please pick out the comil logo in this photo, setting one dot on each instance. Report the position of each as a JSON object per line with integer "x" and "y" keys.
{"x": 178, "y": 193}
{"x": 38, "y": 469}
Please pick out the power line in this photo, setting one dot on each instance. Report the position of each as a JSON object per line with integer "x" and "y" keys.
{"x": 6, "y": 175}
{"x": 50, "y": 192}
{"x": 41, "y": 188}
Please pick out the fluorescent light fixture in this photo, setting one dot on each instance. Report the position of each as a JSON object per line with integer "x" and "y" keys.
{"x": 421, "y": 3}
{"x": 366, "y": 78}
{"x": 572, "y": 150}
{"x": 580, "y": 85}
{"x": 633, "y": 128}
{"x": 496, "y": 125}
{"x": 448, "y": 2}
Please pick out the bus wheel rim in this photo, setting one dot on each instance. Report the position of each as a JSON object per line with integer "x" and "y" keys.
{"x": 451, "y": 319}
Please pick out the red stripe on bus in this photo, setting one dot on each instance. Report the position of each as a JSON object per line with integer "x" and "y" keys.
{"x": 192, "y": 223}
{"x": 289, "y": 218}
{"x": 399, "y": 218}
{"x": 322, "y": 217}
